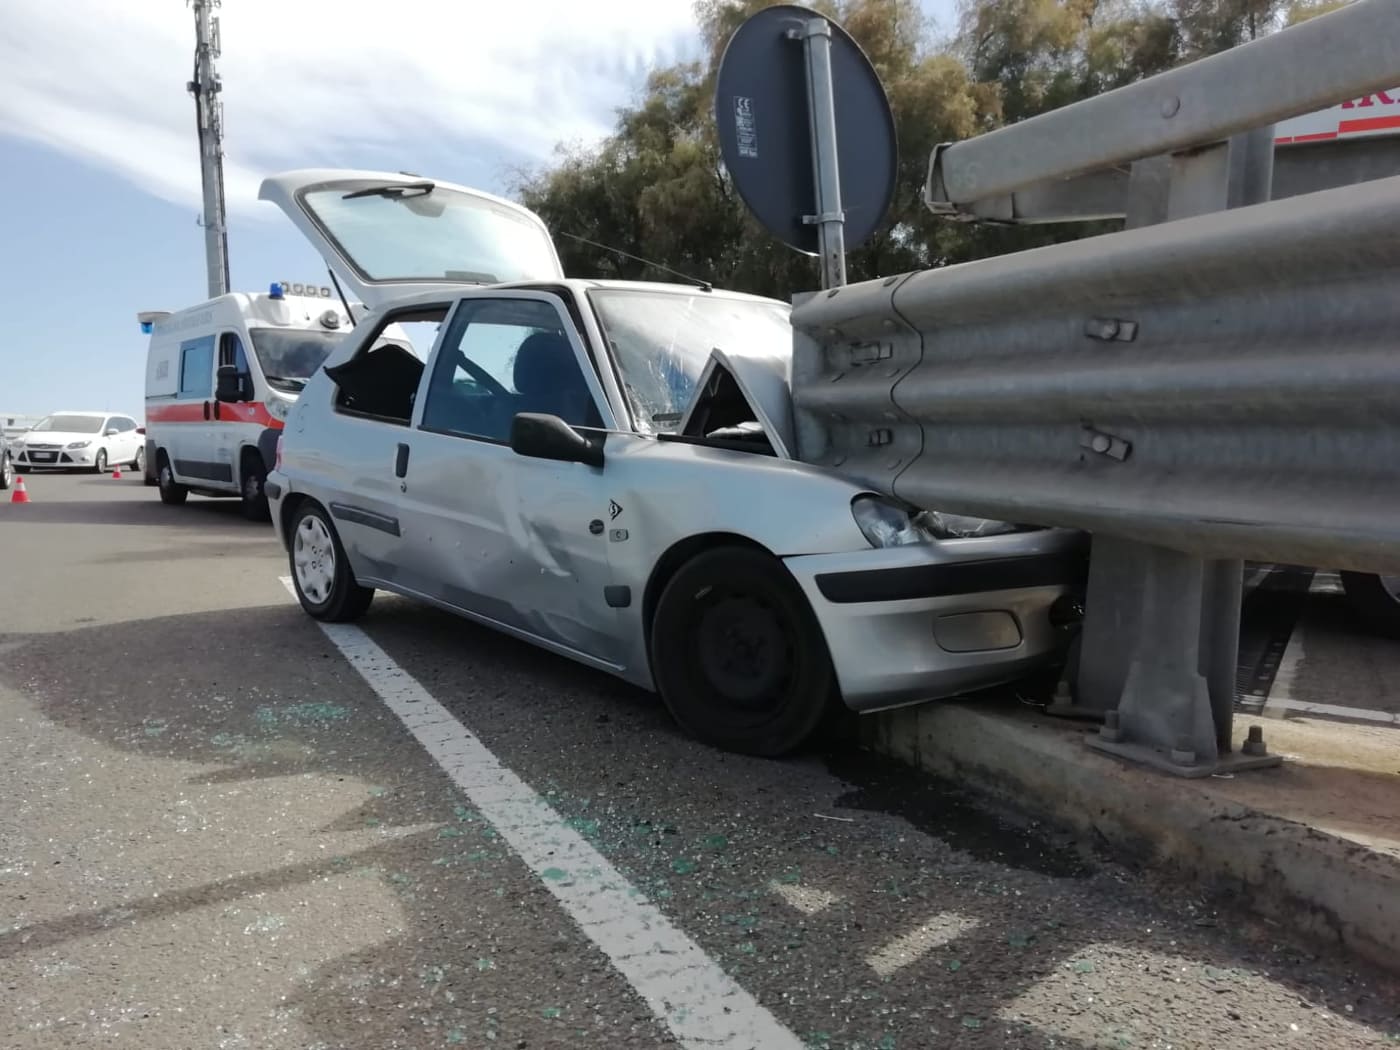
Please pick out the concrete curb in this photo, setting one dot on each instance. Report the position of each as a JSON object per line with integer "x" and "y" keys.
{"x": 1319, "y": 883}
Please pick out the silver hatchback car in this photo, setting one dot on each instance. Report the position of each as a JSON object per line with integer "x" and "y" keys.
{"x": 606, "y": 470}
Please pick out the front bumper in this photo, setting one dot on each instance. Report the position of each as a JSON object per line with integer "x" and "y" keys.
{"x": 923, "y": 622}
{"x": 56, "y": 459}
{"x": 276, "y": 488}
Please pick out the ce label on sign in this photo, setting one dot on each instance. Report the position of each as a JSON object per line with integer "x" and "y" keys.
{"x": 744, "y": 130}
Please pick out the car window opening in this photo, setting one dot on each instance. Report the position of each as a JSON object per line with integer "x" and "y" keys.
{"x": 382, "y": 382}
{"x": 504, "y": 357}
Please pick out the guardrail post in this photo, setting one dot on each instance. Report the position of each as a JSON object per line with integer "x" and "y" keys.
{"x": 1162, "y": 628}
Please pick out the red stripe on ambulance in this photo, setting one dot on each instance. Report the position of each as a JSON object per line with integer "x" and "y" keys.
{"x": 212, "y": 412}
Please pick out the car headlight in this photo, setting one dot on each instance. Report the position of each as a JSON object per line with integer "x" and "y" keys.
{"x": 885, "y": 524}
{"x": 279, "y": 408}
{"x": 78, "y": 444}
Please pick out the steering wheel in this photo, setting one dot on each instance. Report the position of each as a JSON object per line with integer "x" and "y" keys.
{"x": 480, "y": 375}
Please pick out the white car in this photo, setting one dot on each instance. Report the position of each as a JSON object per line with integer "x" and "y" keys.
{"x": 605, "y": 469}
{"x": 80, "y": 441}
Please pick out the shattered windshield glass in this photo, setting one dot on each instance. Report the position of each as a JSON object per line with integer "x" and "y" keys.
{"x": 661, "y": 341}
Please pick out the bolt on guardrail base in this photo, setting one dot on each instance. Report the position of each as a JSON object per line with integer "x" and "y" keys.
{"x": 1183, "y": 762}
{"x": 1063, "y": 705}
{"x": 1174, "y": 712}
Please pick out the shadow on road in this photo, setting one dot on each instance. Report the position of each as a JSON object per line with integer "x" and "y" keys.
{"x": 846, "y": 921}
{"x": 131, "y": 512}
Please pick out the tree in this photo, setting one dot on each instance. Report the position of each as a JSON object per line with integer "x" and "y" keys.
{"x": 657, "y": 188}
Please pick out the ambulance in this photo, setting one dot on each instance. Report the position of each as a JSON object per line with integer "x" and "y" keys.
{"x": 220, "y": 380}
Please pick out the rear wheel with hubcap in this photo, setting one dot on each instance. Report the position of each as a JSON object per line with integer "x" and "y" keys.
{"x": 320, "y": 571}
{"x": 139, "y": 463}
{"x": 738, "y": 655}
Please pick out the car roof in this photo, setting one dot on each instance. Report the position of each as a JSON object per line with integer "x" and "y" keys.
{"x": 578, "y": 285}
{"x": 670, "y": 287}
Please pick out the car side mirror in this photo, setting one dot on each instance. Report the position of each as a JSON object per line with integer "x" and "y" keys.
{"x": 111, "y": 432}
{"x": 542, "y": 436}
{"x": 229, "y": 385}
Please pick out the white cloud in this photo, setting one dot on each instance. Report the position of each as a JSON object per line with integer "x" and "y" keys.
{"x": 326, "y": 84}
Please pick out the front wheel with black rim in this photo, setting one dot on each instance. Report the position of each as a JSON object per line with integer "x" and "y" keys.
{"x": 7, "y": 472}
{"x": 253, "y": 497}
{"x": 321, "y": 573}
{"x": 1376, "y": 601}
{"x": 172, "y": 493}
{"x": 738, "y": 655}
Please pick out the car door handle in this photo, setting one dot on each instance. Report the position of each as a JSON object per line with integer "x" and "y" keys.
{"x": 401, "y": 461}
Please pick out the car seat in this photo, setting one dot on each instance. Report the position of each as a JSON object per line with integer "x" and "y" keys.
{"x": 548, "y": 380}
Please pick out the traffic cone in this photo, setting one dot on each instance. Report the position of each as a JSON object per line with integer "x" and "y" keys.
{"x": 20, "y": 495}
{"x": 117, "y": 471}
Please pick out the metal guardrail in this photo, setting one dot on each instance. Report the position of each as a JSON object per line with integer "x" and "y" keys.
{"x": 1227, "y": 385}
{"x": 1209, "y": 385}
{"x": 1329, "y": 59}
{"x": 13, "y": 426}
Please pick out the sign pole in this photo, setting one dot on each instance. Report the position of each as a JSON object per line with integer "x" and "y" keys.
{"x": 829, "y": 219}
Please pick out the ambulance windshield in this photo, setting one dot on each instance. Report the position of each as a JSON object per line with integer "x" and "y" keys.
{"x": 290, "y": 356}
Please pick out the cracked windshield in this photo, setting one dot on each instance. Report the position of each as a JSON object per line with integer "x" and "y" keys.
{"x": 662, "y": 341}
{"x": 721, "y": 525}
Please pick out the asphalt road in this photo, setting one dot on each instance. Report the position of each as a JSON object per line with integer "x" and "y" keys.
{"x": 218, "y": 832}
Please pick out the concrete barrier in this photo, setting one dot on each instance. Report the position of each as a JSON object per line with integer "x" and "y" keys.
{"x": 1315, "y": 844}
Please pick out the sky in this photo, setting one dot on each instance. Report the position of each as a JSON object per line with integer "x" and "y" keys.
{"x": 99, "y": 164}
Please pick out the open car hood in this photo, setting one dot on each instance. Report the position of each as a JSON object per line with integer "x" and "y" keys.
{"x": 387, "y": 236}
{"x": 738, "y": 394}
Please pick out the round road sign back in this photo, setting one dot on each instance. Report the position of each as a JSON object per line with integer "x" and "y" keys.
{"x": 764, "y": 135}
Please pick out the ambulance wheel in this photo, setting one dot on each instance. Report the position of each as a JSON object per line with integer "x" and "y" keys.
{"x": 172, "y": 492}
{"x": 253, "y": 498}
{"x": 320, "y": 571}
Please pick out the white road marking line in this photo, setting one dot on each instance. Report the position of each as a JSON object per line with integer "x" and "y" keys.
{"x": 698, "y": 1001}
{"x": 912, "y": 946}
{"x": 1256, "y": 576}
{"x": 1281, "y": 691}
{"x": 1281, "y": 698}
{"x": 1307, "y": 707}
